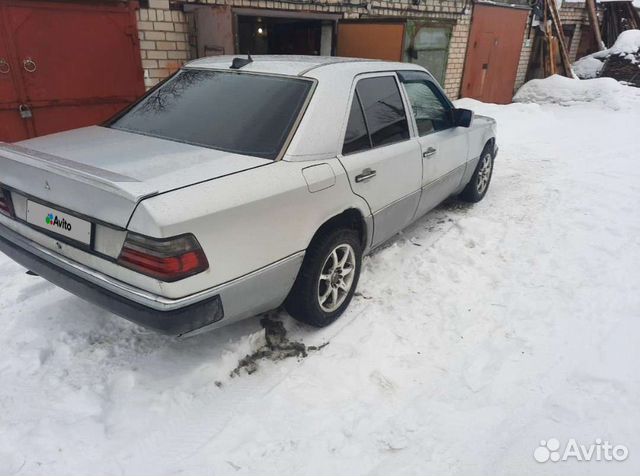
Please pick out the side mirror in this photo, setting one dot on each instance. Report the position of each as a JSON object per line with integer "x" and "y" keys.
{"x": 462, "y": 117}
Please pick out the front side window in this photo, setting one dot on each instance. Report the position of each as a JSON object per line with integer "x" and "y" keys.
{"x": 243, "y": 113}
{"x": 431, "y": 111}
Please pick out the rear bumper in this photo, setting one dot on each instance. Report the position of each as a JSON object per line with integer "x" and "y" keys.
{"x": 259, "y": 291}
{"x": 173, "y": 320}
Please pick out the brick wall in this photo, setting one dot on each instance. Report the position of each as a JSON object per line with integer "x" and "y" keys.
{"x": 523, "y": 64}
{"x": 574, "y": 14}
{"x": 457, "y": 54}
{"x": 164, "y": 45}
{"x": 525, "y": 54}
{"x": 575, "y": 43}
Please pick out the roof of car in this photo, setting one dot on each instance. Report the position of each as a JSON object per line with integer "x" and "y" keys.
{"x": 288, "y": 64}
{"x": 319, "y": 133}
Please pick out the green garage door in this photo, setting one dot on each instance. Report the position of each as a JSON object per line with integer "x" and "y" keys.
{"x": 428, "y": 46}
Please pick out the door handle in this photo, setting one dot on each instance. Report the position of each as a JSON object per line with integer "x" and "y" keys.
{"x": 365, "y": 175}
{"x": 4, "y": 66}
{"x": 430, "y": 152}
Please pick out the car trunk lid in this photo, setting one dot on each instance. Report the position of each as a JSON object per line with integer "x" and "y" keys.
{"x": 103, "y": 173}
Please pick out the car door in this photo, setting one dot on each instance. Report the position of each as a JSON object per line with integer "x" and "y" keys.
{"x": 444, "y": 147}
{"x": 381, "y": 159}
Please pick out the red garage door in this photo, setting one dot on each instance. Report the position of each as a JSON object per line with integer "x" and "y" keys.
{"x": 493, "y": 53}
{"x": 65, "y": 65}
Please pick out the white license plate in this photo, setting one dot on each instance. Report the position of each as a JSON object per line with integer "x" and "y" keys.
{"x": 58, "y": 222}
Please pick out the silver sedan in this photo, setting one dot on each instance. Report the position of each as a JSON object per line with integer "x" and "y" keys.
{"x": 239, "y": 185}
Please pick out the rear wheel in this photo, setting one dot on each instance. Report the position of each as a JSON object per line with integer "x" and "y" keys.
{"x": 328, "y": 278}
{"x": 477, "y": 187}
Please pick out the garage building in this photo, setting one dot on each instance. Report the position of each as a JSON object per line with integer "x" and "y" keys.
{"x": 70, "y": 63}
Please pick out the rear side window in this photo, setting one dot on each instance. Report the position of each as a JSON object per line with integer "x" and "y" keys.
{"x": 377, "y": 111}
{"x": 243, "y": 113}
{"x": 357, "y": 137}
{"x": 383, "y": 110}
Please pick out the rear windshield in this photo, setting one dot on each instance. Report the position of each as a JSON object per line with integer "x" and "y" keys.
{"x": 243, "y": 113}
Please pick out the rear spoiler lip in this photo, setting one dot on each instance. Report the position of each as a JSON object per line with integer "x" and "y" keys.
{"x": 135, "y": 190}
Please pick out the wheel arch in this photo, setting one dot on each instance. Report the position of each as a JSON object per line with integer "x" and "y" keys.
{"x": 490, "y": 142}
{"x": 303, "y": 302}
{"x": 352, "y": 218}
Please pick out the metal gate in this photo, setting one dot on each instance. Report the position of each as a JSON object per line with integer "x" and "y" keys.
{"x": 495, "y": 42}
{"x": 65, "y": 65}
{"x": 427, "y": 44}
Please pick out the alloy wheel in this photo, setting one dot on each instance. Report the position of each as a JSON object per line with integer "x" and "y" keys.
{"x": 336, "y": 277}
{"x": 484, "y": 173}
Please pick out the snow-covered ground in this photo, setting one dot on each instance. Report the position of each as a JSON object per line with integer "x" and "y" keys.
{"x": 477, "y": 333}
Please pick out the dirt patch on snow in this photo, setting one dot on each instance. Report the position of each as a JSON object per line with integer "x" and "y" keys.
{"x": 277, "y": 347}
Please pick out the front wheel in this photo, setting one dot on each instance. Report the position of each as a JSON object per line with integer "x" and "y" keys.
{"x": 477, "y": 187}
{"x": 328, "y": 278}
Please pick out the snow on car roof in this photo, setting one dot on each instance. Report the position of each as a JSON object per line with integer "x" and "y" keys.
{"x": 277, "y": 64}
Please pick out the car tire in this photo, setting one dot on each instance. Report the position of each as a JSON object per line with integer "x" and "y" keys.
{"x": 477, "y": 187}
{"x": 323, "y": 290}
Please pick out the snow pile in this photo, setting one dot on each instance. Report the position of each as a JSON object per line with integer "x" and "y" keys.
{"x": 589, "y": 66}
{"x": 623, "y": 62}
{"x": 627, "y": 45}
{"x": 605, "y": 92}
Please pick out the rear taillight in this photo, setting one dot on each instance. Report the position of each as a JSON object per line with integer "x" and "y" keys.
{"x": 6, "y": 207}
{"x": 168, "y": 259}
